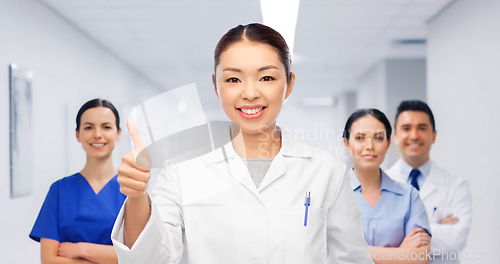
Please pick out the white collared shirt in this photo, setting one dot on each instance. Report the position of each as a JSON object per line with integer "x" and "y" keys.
{"x": 424, "y": 171}
{"x": 208, "y": 210}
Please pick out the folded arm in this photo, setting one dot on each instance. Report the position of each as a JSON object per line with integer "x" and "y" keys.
{"x": 453, "y": 237}
{"x": 100, "y": 254}
{"x": 414, "y": 249}
{"x": 385, "y": 255}
{"x": 50, "y": 254}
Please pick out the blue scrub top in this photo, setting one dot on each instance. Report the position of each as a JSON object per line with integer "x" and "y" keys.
{"x": 398, "y": 211}
{"x": 73, "y": 212}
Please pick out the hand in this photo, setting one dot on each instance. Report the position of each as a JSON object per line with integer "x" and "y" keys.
{"x": 449, "y": 220}
{"x": 134, "y": 178}
{"x": 416, "y": 238}
{"x": 69, "y": 250}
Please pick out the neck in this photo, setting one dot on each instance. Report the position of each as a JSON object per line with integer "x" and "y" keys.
{"x": 99, "y": 169}
{"x": 416, "y": 162}
{"x": 369, "y": 179}
{"x": 266, "y": 144}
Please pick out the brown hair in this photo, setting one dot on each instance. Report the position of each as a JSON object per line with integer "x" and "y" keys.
{"x": 97, "y": 103}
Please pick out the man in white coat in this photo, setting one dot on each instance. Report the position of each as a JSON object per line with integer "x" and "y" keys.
{"x": 446, "y": 196}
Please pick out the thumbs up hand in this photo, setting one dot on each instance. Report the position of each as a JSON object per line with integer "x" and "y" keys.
{"x": 134, "y": 172}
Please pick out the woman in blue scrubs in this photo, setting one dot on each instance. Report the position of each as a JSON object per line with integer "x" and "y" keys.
{"x": 76, "y": 219}
{"x": 395, "y": 223}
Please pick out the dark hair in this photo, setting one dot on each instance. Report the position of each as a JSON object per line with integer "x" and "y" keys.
{"x": 255, "y": 32}
{"x": 415, "y": 105}
{"x": 363, "y": 112}
{"x": 97, "y": 103}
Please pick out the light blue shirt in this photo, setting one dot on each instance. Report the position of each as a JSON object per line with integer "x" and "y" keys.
{"x": 398, "y": 211}
{"x": 424, "y": 171}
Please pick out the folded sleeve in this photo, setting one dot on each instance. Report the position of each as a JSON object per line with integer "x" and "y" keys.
{"x": 416, "y": 216}
{"x": 161, "y": 240}
{"x": 47, "y": 224}
{"x": 346, "y": 243}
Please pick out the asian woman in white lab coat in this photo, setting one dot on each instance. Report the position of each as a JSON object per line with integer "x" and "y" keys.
{"x": 261, "y": 198}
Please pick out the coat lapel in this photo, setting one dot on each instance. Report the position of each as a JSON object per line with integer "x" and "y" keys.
{"x": 289, "y": 148}
{"x": 432, "y": 183}
{"x": 277, "y": 169}
{"x": 235, "y": 166}
{"x": 239, "y": 171}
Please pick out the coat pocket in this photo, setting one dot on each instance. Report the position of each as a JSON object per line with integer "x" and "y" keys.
{"x": 306, "y": 243}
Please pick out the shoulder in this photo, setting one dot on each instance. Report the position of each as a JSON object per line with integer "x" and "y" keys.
{"x": 408, "y": 196}
{"x": 445, "y": 175}
{"x": 61, "y": 187}
{"x": 323, "y": 156}
{"x": 395, "y": 170}
{"x": 71, "y": 180}
{"x": 66, "y": 181}
{"x": 192, "y": 166}
{"x": 406, "y": 188}
{"x": 312, "y": 158}
{"x": 195, "y": 162}
{"x": 399, "y": 187}
{"x": 391, "y": 171}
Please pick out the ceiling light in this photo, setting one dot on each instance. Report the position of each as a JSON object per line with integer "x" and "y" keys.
{"x": 281, "y": 15}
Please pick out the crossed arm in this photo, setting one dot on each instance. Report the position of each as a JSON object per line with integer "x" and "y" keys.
{"x": 53, "y": 252}
{"x": 451, "y": 233}
{"x": 414, "y": 249}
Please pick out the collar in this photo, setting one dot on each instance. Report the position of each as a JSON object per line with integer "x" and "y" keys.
{"x": 356, "y": 185}
{"x": 387, "y": 184}
{"x": 289, "y": 148}
{"x": 424, "y": 169}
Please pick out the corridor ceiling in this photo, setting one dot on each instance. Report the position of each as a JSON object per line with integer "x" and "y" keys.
{"x": 171, "y": 42}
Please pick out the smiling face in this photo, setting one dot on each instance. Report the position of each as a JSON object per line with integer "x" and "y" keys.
{"x": 367, "y": 143}
{"x": 414, "y": 135}
{"x": 251, "y": 84}
{"x": 98, "y": 132}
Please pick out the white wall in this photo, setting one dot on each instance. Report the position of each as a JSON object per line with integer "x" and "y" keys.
{"x": 406, "y": 80}
{"x": 464, "y": 94}
{"x": 69, "y": 70}
{"x": 372, "y": 88}
{"x": 345, "y": 106}
{"x": 313, "y": 125}
{"x": 388, "y": 83}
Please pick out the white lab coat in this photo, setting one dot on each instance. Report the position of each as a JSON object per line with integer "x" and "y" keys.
{"x": 208, "y": 210}
{"x": 447, "y": 193}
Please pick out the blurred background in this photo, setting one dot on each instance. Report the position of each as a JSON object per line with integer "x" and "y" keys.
{"x": 347, "y": 54}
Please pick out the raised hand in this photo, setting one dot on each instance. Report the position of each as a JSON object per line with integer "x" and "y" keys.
{"x": 134, "y": 172}
{"x": 133, "y": 176}
{"x": 416, "y": 238}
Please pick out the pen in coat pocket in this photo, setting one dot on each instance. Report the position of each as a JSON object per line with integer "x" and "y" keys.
{"x": 307, "y": 203}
